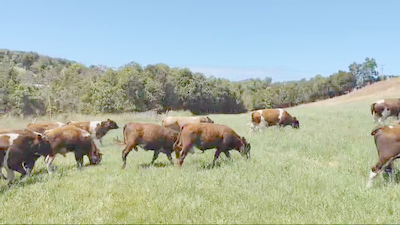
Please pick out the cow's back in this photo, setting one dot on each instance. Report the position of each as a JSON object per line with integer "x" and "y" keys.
{"x": 271, "y": 116}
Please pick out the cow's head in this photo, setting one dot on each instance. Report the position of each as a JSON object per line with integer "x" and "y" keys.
{"x": 40, "y": 143}
{"x": 295, "y": 123}
{"x": 245, "y": 148}
{"x": 95, "y": 155}
{"x": 104, "y": 127}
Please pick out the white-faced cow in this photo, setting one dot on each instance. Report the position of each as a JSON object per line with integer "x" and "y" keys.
{"x": 170, "y": 121}
{"x": 207, "y": 136}
{"x": 72, "y": 139}
{"x": 387, "y": 141}
{"x": 41, "y": 127}
{"x": 149, "y": 137}
{"x": 19, "y": 152}
{"x": 272, "y": 117}
{"x": 96, "y": 128}
{"x": 384, "y": 108}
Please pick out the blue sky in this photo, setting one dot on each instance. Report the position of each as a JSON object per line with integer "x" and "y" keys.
{"x": 285, "y": 39}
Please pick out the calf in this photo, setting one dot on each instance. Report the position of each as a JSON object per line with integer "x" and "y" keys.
{"x": 96, "y": 128}
{"x": 149, "y": 137}
{"x": 41, "y": 127}
{"x": 271, "y": 117}
{"x": 207, "y": 136}
{"x": 19, "y": 152}
{"x": 387, "y": 142}
{"x": 384, "y": 108}
{"x": 72, "y": 139}
{"x": 170, "y": 121}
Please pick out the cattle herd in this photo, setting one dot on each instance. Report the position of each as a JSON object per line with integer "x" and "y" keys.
{"x": 20, "y": 148}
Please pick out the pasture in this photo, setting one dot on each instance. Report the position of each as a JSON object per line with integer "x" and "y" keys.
{"x": 316, "y": 174}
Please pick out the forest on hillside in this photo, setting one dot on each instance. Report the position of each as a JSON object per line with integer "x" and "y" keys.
{"x": 34, "y": 84}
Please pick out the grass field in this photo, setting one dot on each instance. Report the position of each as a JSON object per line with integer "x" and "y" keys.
{"x": 316, "y": 174}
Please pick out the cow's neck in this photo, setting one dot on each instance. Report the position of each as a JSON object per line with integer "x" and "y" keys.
{"x": 101, "y": 131}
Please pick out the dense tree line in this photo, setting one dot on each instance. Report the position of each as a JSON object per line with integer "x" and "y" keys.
{"x": 35, "y": 85}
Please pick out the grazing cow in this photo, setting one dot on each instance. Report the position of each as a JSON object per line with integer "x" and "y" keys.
{"x": 270, "y": 117}
{"x": 96, "y": 128}
{"x": 19, "y": 152}
{"x": 72, "y": 139}
{"x": 387, "y": 141}
{"x": 149, "y": 137}
{"x": 207, "y": 136}
{"x": 41, "y": 127}
{"x": 384, "y": 108}
{"x": 170, "y": 121}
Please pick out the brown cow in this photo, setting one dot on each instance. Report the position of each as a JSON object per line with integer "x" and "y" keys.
{"x": 149, "y": 137}
{"x": 169, "y": 121}
{"x": 19, "y": 152}
{"x": 270, "y": 117}
{"x": 207, "y": 136}
{"x": 8, "y": 130}
{"x": 72, "y": 139}
{"x": 387, "y": 141}
{"x": 41, "y": 127}
{"x": 96, "y": 128}
{"x": 384, "y": 108}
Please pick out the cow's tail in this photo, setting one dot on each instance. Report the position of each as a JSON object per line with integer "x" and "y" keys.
{"x": 376, "y": 130}
{"x": 372, "y": 108}
{"x": 124, "y": 133}
{"x": 178, "y": 140}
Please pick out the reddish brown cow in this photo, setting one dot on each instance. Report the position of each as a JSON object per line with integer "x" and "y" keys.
{"x": 270, "y": 117}
{"x": 96, "y": 128}
{"x": 171, "y": 121}
{"x": 207, "y": 136}
{"x": 72, "y": 139}
{"x": 41, "y": 127}
{"x": 384, "y": 108}
{"x": 19, "y": 152}
{"x": 387, "y": 141}
{"x": 149, "y": 137}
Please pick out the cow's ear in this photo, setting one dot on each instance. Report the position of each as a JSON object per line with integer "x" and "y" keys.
{"x": 243, "y": 138}
{"x": 294, "y": 118}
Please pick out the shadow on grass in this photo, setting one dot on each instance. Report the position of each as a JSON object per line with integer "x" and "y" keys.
{"x": 40, "y": 175}
{"x": 156, "y": 164}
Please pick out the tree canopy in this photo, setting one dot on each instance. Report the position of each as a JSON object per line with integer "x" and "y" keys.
{"x": 36, "y": 85}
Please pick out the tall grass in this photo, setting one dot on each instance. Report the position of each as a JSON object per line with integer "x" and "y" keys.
{"x": 316, "y": 174}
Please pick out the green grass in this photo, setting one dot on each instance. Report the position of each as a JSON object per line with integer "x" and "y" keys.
{"x": 316, "y": 174}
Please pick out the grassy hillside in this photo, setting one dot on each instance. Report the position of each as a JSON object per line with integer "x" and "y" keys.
{"x": 316, "y": 174}
{"x": 383, "y": 89}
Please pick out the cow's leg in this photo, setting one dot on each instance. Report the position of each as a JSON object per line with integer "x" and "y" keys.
{"x": 79, "y": 160}
{"x": 216, "y": 156}
{"x": 125, "y": 153}
{"x": 49, "y": 161}
{"x": 379, "y": 168}
{"x": 10, "y": 176}
{"x": 170, "y": 158}
{"x": 155, "y": 156}
{"x": 101, "y": 142}
{"x": 228, "y": 155}
{"x": 2, "y": 175}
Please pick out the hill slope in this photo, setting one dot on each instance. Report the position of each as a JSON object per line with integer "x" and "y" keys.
{"x": 384, "y": 89}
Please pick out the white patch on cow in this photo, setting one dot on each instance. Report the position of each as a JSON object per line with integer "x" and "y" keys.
{"x": 12, "y": 137}
{"x": 60, "y": 124}
{"x": 281, "y": 111}
{"x": 85, "y": 133}
{"x": 390, "y": 127}
{"x": 380, "y": 101}
{"x": 10, "y": 172}
{"x": 372, "y": 175}
{"x": 93, "y": 125}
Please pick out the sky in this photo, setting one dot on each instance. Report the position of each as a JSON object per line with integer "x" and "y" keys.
{"x": 233, "y": 39}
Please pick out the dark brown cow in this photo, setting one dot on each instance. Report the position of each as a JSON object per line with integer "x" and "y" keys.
{"x": 19, "y": 152}
{"x": 207, "y": 136}
{"x": 41, "y": 127}
{"x": 387, "y": 141}
{"x": 72, "y": 139}
{"x": 170, "y": 121}
{"x": 272, "y": 117}
{"x": 149, "y": 137}
{"x": 384, "y": 108}
{"x": 96, "y": 128}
